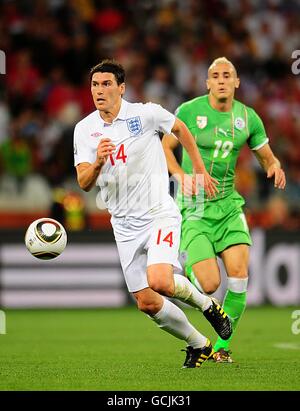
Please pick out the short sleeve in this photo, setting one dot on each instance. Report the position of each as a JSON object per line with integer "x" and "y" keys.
{"x": 82, "y": 153}
{"x": 163, "y": 119}
{"x": 185, "y": 113}
{"x": 179, "y": 113}
{"x": 257, "y": 133}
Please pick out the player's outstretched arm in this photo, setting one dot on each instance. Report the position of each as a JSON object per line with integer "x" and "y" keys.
{"x": 87, "y": 173}
{"x": 186, "y": 139}
{"x": 271, "y": 165}
{"x": 187, "y": 182}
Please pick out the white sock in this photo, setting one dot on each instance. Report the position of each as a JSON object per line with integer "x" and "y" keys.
{"x": 185, "y": 291}
{"x": 172, "y": 319}
{"x": 237, "y": 285}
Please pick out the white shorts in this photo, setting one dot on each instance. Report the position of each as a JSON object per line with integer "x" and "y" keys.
{"x": 145, "y": 242}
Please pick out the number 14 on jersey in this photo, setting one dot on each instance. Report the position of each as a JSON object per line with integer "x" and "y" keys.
{"x": 119, "y": 156}
{"x": 167, "y": 239}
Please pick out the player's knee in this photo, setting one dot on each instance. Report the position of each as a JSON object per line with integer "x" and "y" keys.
{"x": 239, "y": 271}
{"x": 210, "y": 286}
{"x": 162, "y": 287}
{"x": 148, "y": 307}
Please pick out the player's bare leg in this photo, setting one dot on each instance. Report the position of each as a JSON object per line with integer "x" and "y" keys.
{"x": 207, "y": 273}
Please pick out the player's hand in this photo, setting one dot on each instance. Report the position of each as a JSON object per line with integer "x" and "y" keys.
{"x": 208, "y": 183}
{"x": 188, "y": 186}
{"x": 104, "y": 150}
{"x": 279, "y": 176}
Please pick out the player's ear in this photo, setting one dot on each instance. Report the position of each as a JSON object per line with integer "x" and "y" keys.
{"x": 207, "y": 84}
{"x": 237, "y": 83}
{"x": 122, "y": 89}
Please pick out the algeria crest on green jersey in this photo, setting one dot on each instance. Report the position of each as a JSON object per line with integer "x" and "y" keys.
{"x": 201, "y": 121}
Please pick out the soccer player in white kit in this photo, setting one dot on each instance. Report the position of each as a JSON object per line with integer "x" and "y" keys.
{"x": 118, "y": 147}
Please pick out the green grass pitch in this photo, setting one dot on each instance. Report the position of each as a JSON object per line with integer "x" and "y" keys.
{"x": 122, "y": 350}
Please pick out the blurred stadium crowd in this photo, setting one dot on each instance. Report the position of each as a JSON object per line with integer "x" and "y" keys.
{"x": 166, "y": 47}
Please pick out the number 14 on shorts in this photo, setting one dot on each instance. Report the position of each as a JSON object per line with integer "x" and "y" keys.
{"x": 161, "y": 238}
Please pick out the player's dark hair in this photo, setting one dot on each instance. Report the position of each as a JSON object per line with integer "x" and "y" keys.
{"x": 110, "y": 66}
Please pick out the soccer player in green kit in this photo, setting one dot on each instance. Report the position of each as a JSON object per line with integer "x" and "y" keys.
{"x": 221, "y": 126}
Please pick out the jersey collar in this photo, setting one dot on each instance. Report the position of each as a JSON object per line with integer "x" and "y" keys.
{"x": 123, "y": 110}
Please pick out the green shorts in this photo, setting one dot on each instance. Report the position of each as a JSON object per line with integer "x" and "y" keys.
{"x": 223, "y": 224}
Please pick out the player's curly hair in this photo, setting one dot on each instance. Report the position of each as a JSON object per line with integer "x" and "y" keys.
{"x": 110, "y": 66}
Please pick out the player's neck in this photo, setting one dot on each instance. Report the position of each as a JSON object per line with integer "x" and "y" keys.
{"x": 109, "y": 115}
{"x": 220, "y": 105}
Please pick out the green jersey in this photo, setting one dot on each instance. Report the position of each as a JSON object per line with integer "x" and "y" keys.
{"x": 220, "y": 137}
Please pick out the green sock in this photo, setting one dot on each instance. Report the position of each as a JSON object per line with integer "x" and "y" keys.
{"x": 234, "y": 305}
{"x": 191, "y": 276}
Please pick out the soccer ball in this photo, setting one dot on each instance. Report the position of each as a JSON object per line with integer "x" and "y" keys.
{"x": 45, "y": 238}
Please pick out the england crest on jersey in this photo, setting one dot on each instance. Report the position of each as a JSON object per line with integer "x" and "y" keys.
{"x": 201, "y": 121}
{"x": 134, "y": 125}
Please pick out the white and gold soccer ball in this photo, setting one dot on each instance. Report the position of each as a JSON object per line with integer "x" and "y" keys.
{"x": 45, "y": 238}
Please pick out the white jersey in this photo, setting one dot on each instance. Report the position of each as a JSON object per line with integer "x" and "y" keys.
{"x": 134, "y": 180}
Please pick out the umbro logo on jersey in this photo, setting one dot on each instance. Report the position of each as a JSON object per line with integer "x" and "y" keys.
{"x": 134, "y": 125}
{"x": 201, "y": 121}
{"x": 96, "y": 134}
